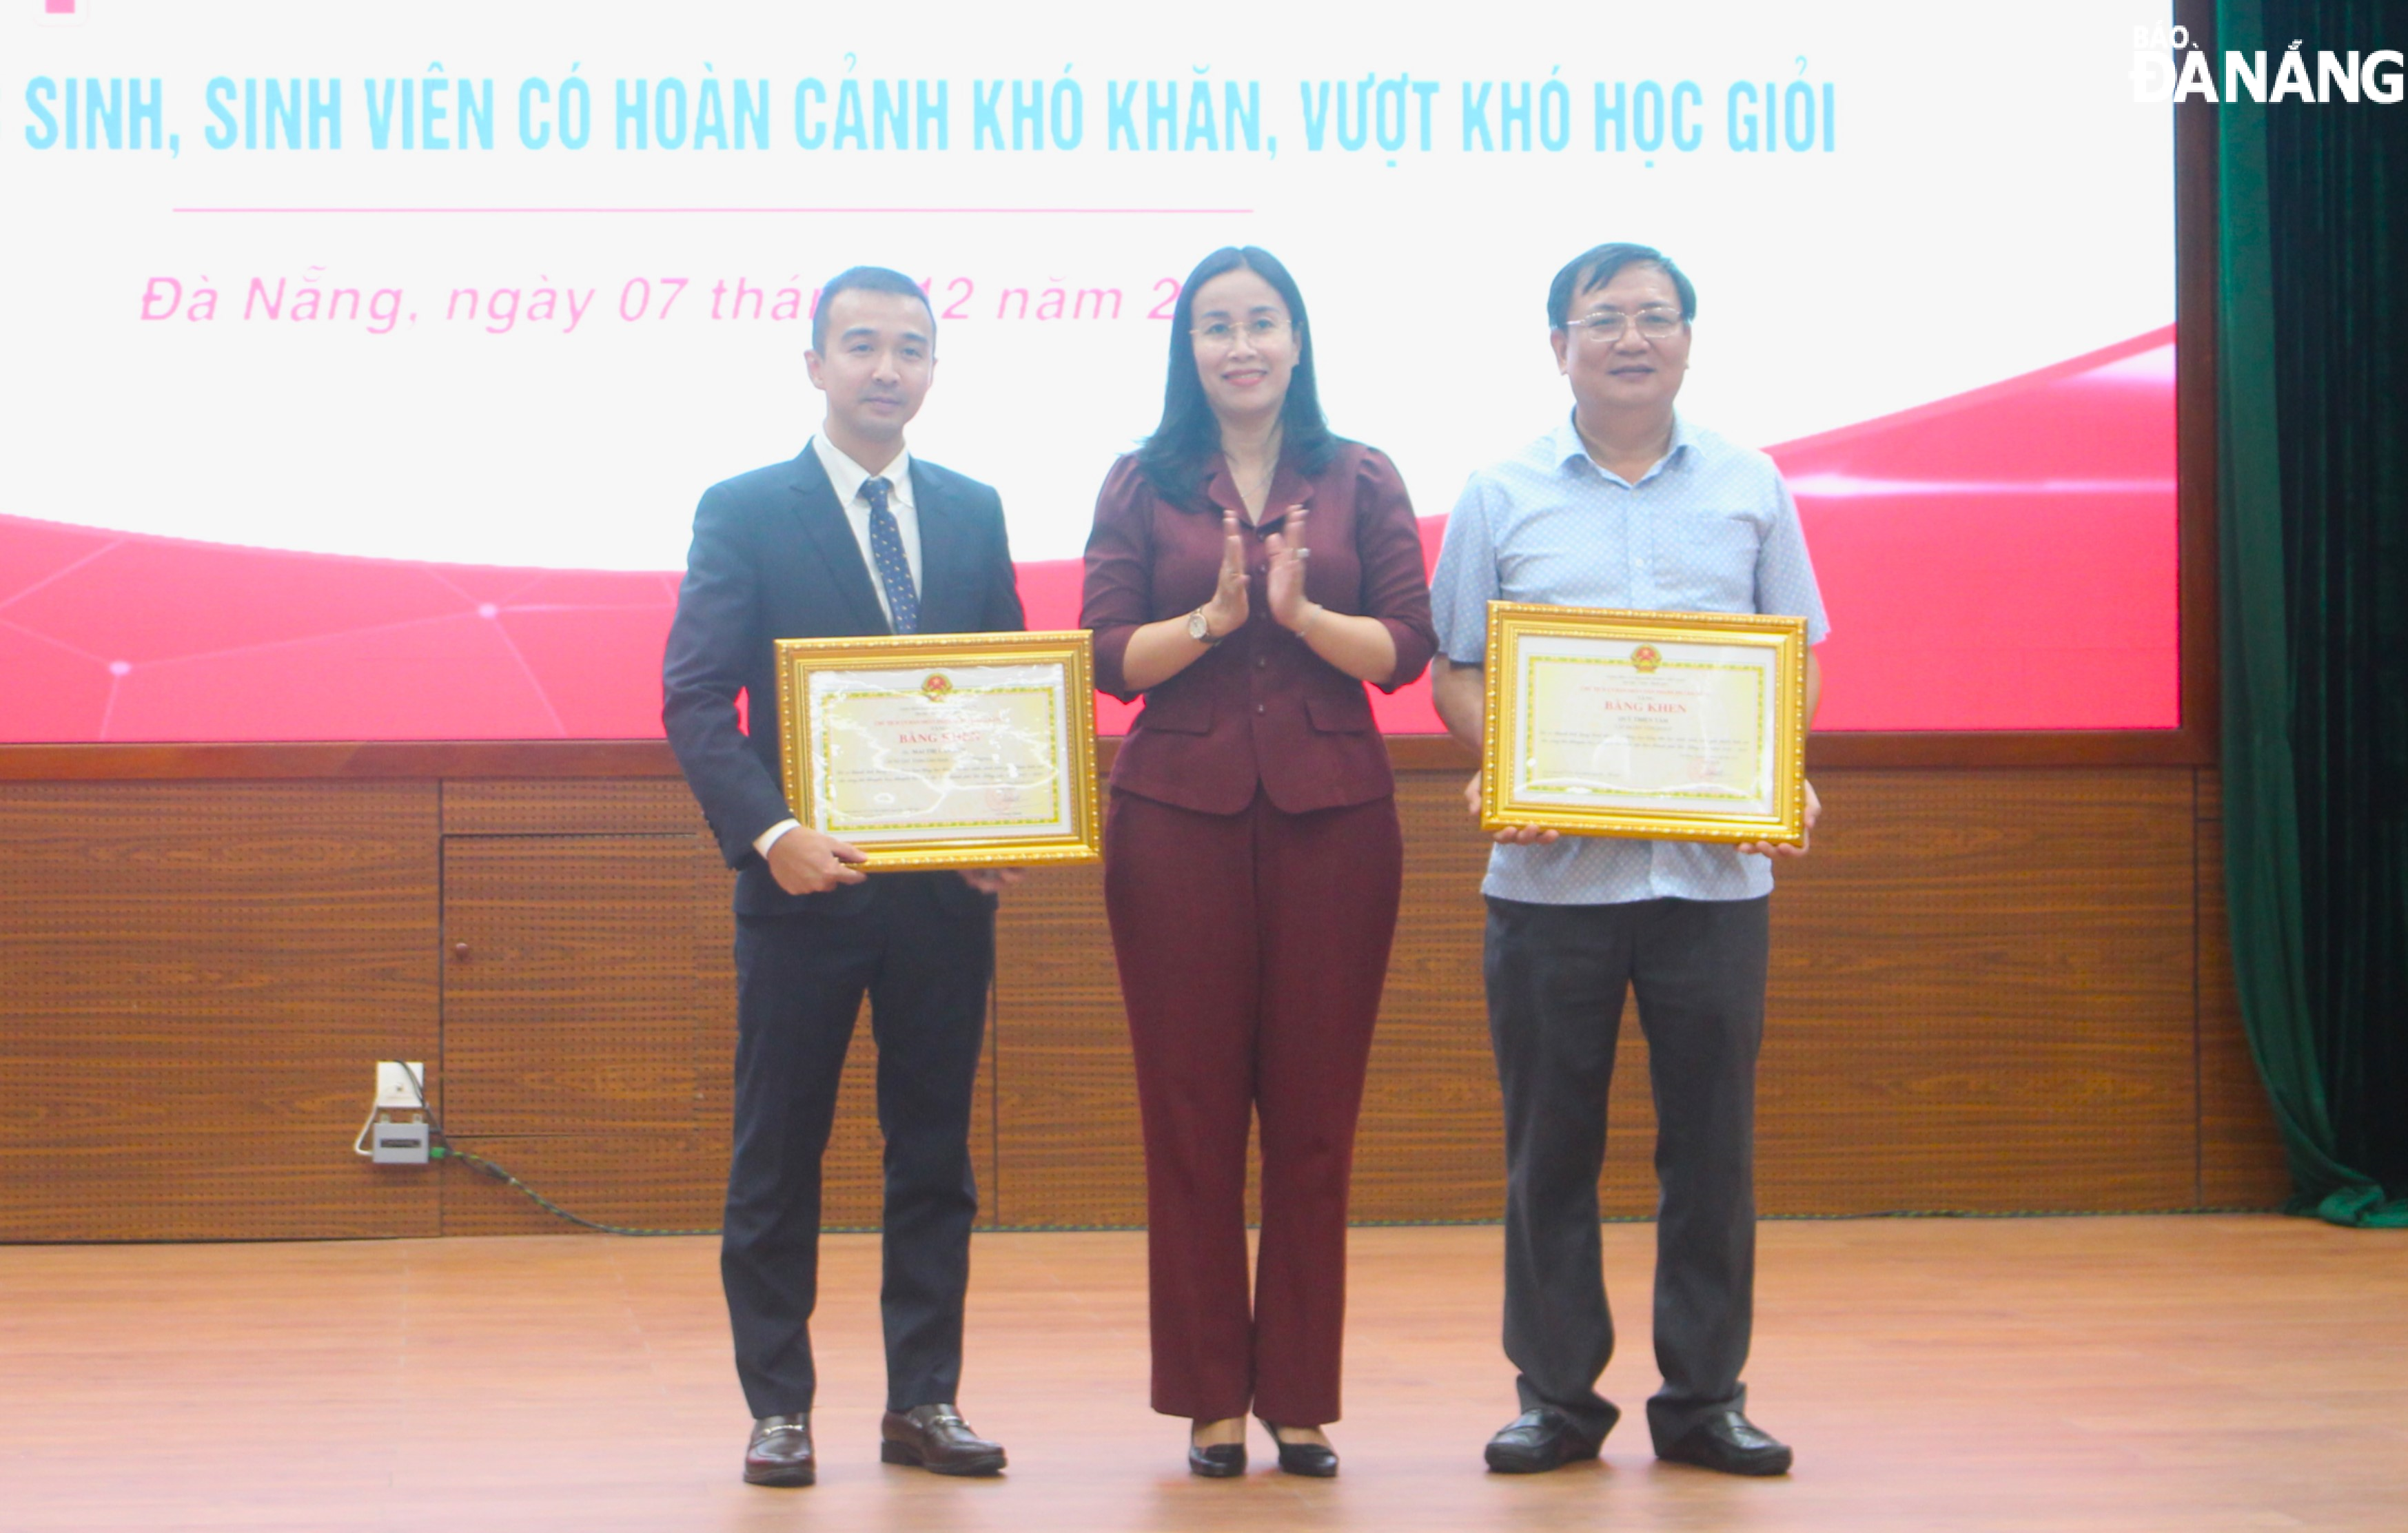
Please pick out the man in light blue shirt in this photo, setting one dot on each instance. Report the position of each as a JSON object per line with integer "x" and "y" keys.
{"x": 1625, "y": 504}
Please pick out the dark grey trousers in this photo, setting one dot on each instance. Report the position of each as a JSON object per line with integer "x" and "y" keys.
{"x": 1556, "y": 976}
{"x": 924, "y": 953}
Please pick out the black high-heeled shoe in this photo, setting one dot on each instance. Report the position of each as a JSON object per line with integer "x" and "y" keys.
{"x": 1221, "y": 1461}
{"x": 1317, "y": 1460}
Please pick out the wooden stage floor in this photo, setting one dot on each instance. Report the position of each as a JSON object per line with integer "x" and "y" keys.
{"x": 2111, "y": 1375}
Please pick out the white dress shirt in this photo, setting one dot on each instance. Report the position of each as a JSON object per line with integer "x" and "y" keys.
{"x": 846, "y": 477}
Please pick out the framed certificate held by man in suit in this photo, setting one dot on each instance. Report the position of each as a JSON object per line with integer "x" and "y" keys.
{"x": 949, "y": 750}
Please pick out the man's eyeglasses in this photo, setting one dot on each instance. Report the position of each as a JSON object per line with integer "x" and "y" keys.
{"x": 1606, "y": 326}
{"x": 1224, "y": 335}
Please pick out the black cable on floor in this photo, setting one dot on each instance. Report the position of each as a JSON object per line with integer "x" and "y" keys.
{"x": 502, "y": 1174}
{"x": 441, "y": 1149}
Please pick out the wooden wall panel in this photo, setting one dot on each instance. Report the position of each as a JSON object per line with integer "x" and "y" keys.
{"x": 608, "y": 900}
{"x": 1992, "y": 989}
{"x": 198, "y": 981}
{"x": 537, "y": 870}
{"x": 1431, "y": 1140}
{"x": 2007, "y": 1025}
{"x": 1067, "y": 1149}
{"x": 637, "y": 1178}
{"x": 1982, "y": 1001}
{"x": 2239, "y": 1152}
{"x": 569, "y": 985}
{"x": 633, "y": 806}
{"x": 569, "y": 1024}
{"x": 655, "y": 1178}
{"x": 1981, "y": 996}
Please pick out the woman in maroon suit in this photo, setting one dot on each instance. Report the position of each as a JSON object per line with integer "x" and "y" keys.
{"x": 1251, "y": 859}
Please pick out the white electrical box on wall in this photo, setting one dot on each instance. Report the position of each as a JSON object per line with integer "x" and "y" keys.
{"x": 396, "y": 1088}
{"x": 398, "y": 1132}
{"x": 392, "y": 1142}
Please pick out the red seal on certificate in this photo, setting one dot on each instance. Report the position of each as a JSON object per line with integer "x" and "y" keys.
{"x": 937, "y": 687}
{"x": 1645, "y": 658}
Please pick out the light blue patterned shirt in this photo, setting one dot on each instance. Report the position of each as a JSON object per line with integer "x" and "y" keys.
{"x": 1710, "y": 529}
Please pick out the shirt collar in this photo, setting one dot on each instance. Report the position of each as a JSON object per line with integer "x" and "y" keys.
{"x": 846, "y": 476}
{"x": 1565, "y": 444}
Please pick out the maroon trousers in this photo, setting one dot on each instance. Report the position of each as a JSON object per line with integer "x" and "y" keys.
{"x": 1251, "y": 949}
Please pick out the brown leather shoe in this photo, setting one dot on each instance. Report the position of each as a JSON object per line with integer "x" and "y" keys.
{"x": 935, "y": 1437}
{"x": 780, "y": 1453}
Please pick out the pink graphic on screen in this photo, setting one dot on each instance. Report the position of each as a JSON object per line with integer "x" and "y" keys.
{"x": 2004, "y": 559}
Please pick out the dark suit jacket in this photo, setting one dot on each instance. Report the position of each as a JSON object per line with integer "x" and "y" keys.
{"x": 1260, "y": 707}
{"x": 773, "y": 558}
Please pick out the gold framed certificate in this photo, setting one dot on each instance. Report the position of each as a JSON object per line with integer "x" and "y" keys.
{"x": 943, "y": 751}
{"x": 1674, "y": 726}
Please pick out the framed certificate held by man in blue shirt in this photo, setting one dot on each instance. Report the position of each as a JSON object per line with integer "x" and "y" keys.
{"x": 1626, "y": 504}
{"x": 1657, "y": 725}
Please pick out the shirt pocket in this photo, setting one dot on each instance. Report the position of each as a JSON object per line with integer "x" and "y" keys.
{"x": 1705, "y": 559}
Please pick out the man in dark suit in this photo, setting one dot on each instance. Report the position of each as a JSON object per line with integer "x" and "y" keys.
{"x": 852, "y": 536}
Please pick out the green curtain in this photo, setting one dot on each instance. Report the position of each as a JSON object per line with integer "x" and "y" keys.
{"x": 2312, "y": 370}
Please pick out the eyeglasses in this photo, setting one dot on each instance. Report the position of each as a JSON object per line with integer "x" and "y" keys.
{"x": 1607, "y": 325}
{"x": 1222, "y": 334}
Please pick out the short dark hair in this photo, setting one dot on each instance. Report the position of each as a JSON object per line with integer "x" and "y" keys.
{"x": 1593, "y": 268}
{"x": 1173, "y": 458}
{"x": 866, "y": 280}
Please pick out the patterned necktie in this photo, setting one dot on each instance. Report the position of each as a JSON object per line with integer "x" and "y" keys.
{"x": 886, "y": 553}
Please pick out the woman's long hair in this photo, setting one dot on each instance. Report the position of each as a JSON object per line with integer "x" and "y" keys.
{"x": 1173, "y": 458}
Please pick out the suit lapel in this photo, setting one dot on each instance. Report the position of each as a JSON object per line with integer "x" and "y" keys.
{"x": 942, "y": 539}
{"x": 823, "y": 521}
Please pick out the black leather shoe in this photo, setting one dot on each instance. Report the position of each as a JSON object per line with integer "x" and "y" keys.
{"x": 1727, "y": 1441}
{"x": 1316, "y": 1459}
{"x": 780, "y": 1453}
{"x": 1221, "y": 1461}
{"x": 1540, "y": 1440}
{"x": 935, "y": 1439}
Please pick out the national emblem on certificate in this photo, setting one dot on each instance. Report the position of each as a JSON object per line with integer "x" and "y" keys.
{"x": 1687, "y": 727}
{"x": 949, "y": 750}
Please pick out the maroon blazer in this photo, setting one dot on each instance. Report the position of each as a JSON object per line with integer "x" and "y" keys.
{"x": 1260, "y": 707}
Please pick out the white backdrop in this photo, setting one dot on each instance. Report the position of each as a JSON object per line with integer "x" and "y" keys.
{"x": 1990, "y": 200}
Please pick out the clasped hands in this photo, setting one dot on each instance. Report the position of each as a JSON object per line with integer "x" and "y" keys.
{"x": 811, "y": 861}
{"x": 1283, "y": 584}
{"x": 1534, "y": 836}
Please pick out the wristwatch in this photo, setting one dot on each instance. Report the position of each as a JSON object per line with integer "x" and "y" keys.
{"x": 1200, "y": 631}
